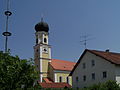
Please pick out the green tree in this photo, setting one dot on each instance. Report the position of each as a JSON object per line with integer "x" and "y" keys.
{"x": 16, "y": 73}
{"x": 109, "y": 85}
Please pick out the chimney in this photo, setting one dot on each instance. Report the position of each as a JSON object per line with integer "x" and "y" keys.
{"x": 107, "y": 50}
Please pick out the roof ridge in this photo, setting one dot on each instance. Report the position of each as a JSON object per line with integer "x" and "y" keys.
{"x": 106, "y": 55}
{"x": 103, "y": 51}
{"x": 63, "y": 60}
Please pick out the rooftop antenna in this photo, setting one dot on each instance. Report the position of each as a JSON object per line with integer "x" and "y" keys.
{"x": 6, "y": 33}
{"x": 84, "y": 40}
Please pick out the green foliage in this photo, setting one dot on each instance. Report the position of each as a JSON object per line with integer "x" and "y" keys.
{"x": 109, "y": 85}
{"x": 16, "y": 73}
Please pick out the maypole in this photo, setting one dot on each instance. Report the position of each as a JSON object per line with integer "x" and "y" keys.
{"x": 6, "y": 33}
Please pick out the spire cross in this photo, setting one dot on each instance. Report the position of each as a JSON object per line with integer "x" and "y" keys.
{"x": 8, "y": 4}
{"x": 41, "y": 17}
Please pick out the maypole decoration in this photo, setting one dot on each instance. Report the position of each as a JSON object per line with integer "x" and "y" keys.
{"x": 6, "y": 33}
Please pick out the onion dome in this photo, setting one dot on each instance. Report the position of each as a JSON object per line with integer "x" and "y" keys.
{"x": 42, "y": 26}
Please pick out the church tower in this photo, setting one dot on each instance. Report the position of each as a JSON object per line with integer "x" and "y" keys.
{"x": 42, "y": 50}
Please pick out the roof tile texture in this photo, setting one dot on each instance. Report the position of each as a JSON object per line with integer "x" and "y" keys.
{"x": 109, "y": 56}
{"x": 62, "y": 65}
{"x": 54, "y": 85}
{"x": 47, "y": 80}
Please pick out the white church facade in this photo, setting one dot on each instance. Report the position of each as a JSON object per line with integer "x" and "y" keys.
{"x": 51, "y": 71}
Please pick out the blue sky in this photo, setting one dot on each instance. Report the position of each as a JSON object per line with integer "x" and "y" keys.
{"x": 68, "y": 20}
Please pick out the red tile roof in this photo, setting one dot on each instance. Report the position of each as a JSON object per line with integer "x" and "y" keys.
{"x": 109, "y": 56}
{"x": 54, "y": 85}
{"x": 47, "y": 80}
{"x": 62, "y": 65}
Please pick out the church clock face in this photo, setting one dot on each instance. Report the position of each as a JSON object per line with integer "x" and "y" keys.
{"x": 45, "y": 50}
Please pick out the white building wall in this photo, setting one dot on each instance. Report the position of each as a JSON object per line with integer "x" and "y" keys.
{"x": 101, "y": 65}
{"x": 117, "y": 72}
{"x": 55, "y": 76}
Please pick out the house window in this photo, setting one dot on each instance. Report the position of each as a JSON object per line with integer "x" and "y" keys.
{"x": 84, "y": 78}
{"x": 77, "y": 79}
{"x": 67, "y": 79}
{"x": 60, "y": 79}
{"x": 104, "y": 74}
{"x": 84, "y": 65}
{"x": 93, "y": 63}
{"x": 93, "y": 76}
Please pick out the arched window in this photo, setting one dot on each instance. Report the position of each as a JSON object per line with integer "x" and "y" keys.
{"x": 45, "y": 40}
{"x": 67, "y": 79}
{"x": 60, "y": 79}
